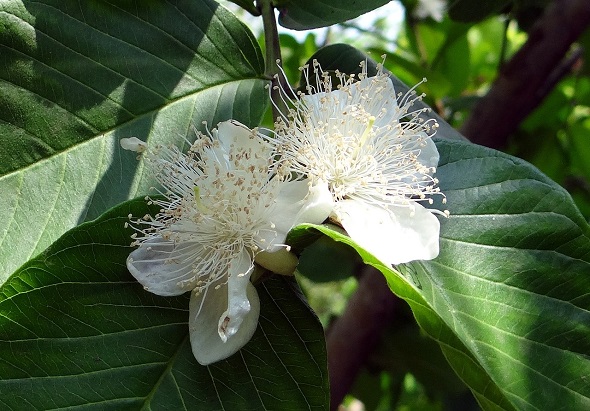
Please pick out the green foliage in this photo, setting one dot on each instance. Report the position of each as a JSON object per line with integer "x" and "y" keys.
{"x": 506, "y": 302}
{"x": 84, "y": 333}
{"x": 310, "y": 14}
{"x": 507, "y": 297}
{"x": 327, "y": 260}
{"x": 76, "y": 77}
{"x": 475, "y": 10}
{"x": 247, "y": 5}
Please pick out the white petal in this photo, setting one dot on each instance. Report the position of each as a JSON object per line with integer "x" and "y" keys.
{"x": 238, "y": 305}
{"x": 429, "y": 153}
{"x": 312, "y": 203}
{"x": 161, "y": 267}
{"x": 428, "y": 157}
{"x": 233, "y": 133}
{"x": 319, "y": 204}
{"x": 377, "y": 96}
{"x": 393, "y": 235}
{"x": 236, "y": 300}
{"x": 297, "y": 203}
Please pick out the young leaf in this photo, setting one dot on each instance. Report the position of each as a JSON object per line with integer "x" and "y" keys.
{"x": 77, "y": 330}
{"x": 311, "y": 14}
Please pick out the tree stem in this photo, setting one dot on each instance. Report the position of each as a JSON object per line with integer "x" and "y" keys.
{"x": 353, "y": 336}
{"x": 526, "y": 79}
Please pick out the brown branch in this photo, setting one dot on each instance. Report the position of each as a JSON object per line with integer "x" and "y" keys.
{"x": 353, "y": 336}
{"x": 530, "y": 75}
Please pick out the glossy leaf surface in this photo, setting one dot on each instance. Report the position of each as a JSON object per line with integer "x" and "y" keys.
{"x": 76, "y": 77}
{"x": 507, "y": 298}
{"x": 311, "y": 14}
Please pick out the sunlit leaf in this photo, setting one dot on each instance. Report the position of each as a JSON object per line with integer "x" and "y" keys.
{"x": 75, "y": 77}
{"x": 507, "y": 298}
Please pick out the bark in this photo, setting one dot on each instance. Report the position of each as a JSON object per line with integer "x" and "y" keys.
{"x": 530, "y": 75}
{"x": 353, "y": 336}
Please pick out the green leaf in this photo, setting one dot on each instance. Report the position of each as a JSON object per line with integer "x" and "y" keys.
{"x": 311, "y": 14}
{"x": 327, "y": 260}
{"x": 76, "y": 330}
{"x": 76, "y": 77}
{"x": 507, "y": 298}
{"x": 247, "y": 5}
{"x": 475, "y": 10}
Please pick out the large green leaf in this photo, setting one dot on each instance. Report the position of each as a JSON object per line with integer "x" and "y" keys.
{"x": 311, "y": 14}
{"x": 76, "y": 330}
{"x": 508, "y": 298}
{"x": 75, "y": 77}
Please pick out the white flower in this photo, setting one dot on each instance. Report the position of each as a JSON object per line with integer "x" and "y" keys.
{"x": 224, "y": 202}
{"x": 376, "y": 156}
{"x": 430, "y": 8}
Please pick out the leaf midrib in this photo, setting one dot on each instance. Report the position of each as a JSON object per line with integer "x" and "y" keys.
{"x": 167, "y": 371}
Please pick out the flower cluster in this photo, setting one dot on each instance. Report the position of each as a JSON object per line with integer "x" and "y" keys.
{"x": 355, "y": 153}
{"x": 224, "y": 202}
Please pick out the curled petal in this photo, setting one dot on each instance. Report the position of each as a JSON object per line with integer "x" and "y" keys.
{"x": 223, "y": 317}
{"x": 238, "y": 305}
{"x": 300, "y": 202}
{"x": 394, "y": 235}
{"x": 162, "y": 267}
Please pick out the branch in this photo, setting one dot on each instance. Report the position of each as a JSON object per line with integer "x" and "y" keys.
{"x": 354, "y": 335}
{"x": 530, "y": 75}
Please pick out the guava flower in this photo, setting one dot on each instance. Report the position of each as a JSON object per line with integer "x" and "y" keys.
{"x": 224, "y": 202}
{"x": 376, "y": 156}
{"x": 430, "y": 8}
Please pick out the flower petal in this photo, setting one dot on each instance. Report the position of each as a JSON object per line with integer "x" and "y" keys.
{"x": 299, "y": 202}
{"x": 236, "y": 137}
{"x": 394, "y": 235}
{"x": 133, "y": 144}
{"x": 238, "y": 305}
{"x": 162, "y": 267}
{"x": 429, "y": 153}
{"x": 223, "y": 318}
